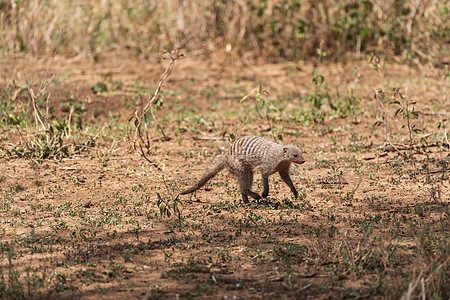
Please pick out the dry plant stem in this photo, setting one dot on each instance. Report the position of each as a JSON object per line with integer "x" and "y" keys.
{"x": 37, "y": 113}
{"x": 201, "y": 138}
{"x": 437, "y": 269}
{"x": 141, "y": 139}
{"x": 17, "y": 91}
{"x": 411, "y": 287}
{"x": 269, "y": 123}
{"x": 173, "y": 198}
{"x": 22, "y": 140}
{"x": 409, "y": 129}
{"x": 254, "y": 94}
{"x": 167, "y": 187}
{"x": 356, "y": 186}
{"x": 386, "y": 128}
{"x": 158, "y": 125}
{"x": 446, "y": 138}
{"x": 43, "y": 86}
{"x": 163, "y": 78}
{"x": 143, "y": 116}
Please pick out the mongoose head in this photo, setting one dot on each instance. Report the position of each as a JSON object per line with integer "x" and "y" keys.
{"x": 292, "y": 153}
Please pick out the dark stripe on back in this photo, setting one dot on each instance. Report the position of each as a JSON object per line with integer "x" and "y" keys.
{"x": 249, "y": 146}
{"x": 254, "y": 146}
{"x": 235, "y": 146}
{"x": 249, "y": 142}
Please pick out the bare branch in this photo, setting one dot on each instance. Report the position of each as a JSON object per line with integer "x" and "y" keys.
{"x": 141, "y": 137}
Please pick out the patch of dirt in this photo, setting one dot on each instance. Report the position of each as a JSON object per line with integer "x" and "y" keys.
{"x": 90, "y": 225}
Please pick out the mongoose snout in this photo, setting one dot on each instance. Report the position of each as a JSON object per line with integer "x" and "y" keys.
{"x": 250, "y": 154}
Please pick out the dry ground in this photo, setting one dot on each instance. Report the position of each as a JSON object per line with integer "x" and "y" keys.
{"x": 369, "y": 223}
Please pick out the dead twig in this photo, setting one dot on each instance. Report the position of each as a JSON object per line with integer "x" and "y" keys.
{"x": 37, "y": 113}
{"x": 169, "y": 204}
{"x": 258, "y": 95}
{"x": 158, "y": 126}
{"x": 140, "y": 138}
{"x": 202, "y": 138}
{"x": 386, "y": 125}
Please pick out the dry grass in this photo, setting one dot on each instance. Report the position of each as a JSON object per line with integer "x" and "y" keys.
{"x": 251, "y": 29}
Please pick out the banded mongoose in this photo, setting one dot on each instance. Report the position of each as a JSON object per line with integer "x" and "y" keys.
{"x": 249, "y": 154}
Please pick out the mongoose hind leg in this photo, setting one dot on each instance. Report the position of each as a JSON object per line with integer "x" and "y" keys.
{"x": 254, "y": 195}
{"x": 265, "y": 182}
{"x": 244, "y": 198}
{"x": 245, "y": 180}
{"x": 284, "y": 174}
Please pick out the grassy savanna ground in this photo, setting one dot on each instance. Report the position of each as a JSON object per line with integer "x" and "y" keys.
{"x": 89, "y": 174}
{"x": 87, "y": 216}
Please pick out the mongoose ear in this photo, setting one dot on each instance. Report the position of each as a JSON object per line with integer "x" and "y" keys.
{"x": 285, "y": 149}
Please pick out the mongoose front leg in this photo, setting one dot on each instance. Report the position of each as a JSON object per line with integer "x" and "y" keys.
{"x": 287, "y": 179}
{"x": 265, "y": 182}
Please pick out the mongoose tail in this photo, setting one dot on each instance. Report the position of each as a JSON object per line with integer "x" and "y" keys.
{"x": 219, "y": 166}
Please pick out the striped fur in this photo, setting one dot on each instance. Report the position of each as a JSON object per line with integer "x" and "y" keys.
{"x": 254, "y": 154}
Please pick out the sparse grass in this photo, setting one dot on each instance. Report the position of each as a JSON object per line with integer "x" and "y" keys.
{"x": 368, "y": 223}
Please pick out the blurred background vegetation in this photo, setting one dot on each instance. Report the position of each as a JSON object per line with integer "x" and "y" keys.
{"x": 268, "y": 29}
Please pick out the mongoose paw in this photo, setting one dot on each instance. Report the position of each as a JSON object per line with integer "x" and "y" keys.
{"x": 256, "y": 196}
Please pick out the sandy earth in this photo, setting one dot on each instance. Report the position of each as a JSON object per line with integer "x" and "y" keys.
{"x": 89, "y": 223}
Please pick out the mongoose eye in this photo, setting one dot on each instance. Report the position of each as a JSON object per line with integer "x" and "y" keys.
{"x": 295, "y": 155}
